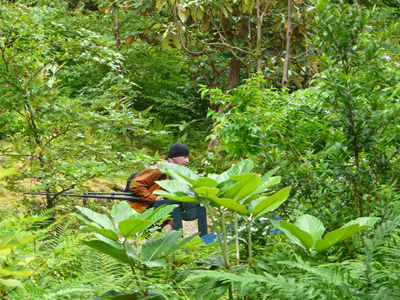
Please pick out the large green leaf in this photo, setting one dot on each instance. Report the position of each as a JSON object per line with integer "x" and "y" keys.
{"x": 173, "y": 186}
{"x": 11, "y": 283}
{"x": 156, "y": 263}
{"x": 157, "y": 248}
{"x": 122, "y": 211}
{"x": 338, "y": 235}
{"x": 264, "y": 184}
{"x": 183, "y": 242}
{"x": 205, "y": 181}
{"x": 230, "y": 204}
{"x": 272, "y": 181}
{"x": 206, "y": 192}
{"x": 246, "y": 183}
{"x": 177, "y": 196}
{"x": 270, "y": 203}
{"x": 101, "y": 219}
{"x": 368, "y": 221}
{"x": 179, "y": 172}
{"x": 8, "y": 242}
{"x": 312, "y": 225}
{"x": 112, "y": 250}
{"x": 23, "y": 273}
{"x": 295, "y": 234}
{"x": 7, "y": 172}
{"x": 157, "y": 214}
{"x": 106, "y": 232}
{"x": 131, "y": 253}
{"x": 242, "y": 167}
{"x": 128, "y": 228}
{"x": 216, "y": 177}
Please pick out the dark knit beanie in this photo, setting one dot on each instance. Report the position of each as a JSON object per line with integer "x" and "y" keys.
{"x": 178, "y": 149}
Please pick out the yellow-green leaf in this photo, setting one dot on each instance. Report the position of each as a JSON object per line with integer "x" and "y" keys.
{"x": 7, "y": 172}
{"x": 183, "y": 13}
{"x": 11, "y": 283}
{"x": 159, "y": 5}
{"x": 24, "y": 273}
{"x": 246, "y": 183}
{"x": 128, "y": 228}
{"x": 199, "y": 14}
{"x": 129, "y": 40}
{"x": 205, "y": 181}
{"x": 230, "y": 204}
{"x": 176, "y": 42}
{"x": 165, "y": 43}
{"x": 272, "y": 202}
{"x": 295, "y": 234}
{"x": 338, "y": 235}
{"x": 205, "y": 191}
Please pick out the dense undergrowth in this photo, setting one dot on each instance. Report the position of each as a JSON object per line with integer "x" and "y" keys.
{"x": 66, "y": 269}
{"x": 92, "y": 91}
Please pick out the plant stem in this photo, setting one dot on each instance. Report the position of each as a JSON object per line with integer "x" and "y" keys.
{"x": 207, "y": 204}
{"x": 249, "y": 245}
{"x": 132, "y": 265}
{"x": 237, "y": 253}
{"x": 224, "y": 241}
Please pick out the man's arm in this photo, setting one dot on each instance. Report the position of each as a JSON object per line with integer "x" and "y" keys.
{"x": 144, "y": 185}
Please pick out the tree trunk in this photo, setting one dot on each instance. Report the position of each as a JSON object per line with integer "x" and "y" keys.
{"x": 234, "y": 73}
{"x": 233, "y": 78}
{"x": 285, "y": 79}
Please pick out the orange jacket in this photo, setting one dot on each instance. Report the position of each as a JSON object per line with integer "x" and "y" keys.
{"x": 143, "y": 187}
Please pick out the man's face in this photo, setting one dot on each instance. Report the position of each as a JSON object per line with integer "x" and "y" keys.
{"x": 180, "y": 160}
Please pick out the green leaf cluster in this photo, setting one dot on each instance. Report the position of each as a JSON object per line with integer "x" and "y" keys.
{"x": 9, "y": 278}
{"x": 308, "y": 231}
{"x": 236, "y": 189}
{"x": 114, "y": 234}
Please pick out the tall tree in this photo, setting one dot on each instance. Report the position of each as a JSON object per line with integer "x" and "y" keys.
{"x": 232, "y": 37}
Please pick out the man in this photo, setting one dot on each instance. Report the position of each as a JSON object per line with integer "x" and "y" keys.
{"x": 144, "y": 184}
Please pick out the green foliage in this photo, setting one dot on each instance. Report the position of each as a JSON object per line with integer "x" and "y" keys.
{"x": 338, "y": 135}
{"x": 231, "y": 189}
{"x": 240, "y": 129}
{"x": 8, "y": 277}
{"x": 308, "y": 230}
{"x": 45, "y": 80}
{"x": 80, "y": 104}
{"x": 114, "y": 237}
{"x": 236, "y": 191}
{"x": 359, "y": 80}
{"x": 5, "y": 172}
{"x": 230, "y": 38}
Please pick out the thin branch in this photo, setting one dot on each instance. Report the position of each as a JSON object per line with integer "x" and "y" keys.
{"x": 183, "y": 43}
{"x": 223, "y": 39}
{"x": 300, "y": 55}
{"x": 222, "y": 44}
{"x": 58, "y": 135}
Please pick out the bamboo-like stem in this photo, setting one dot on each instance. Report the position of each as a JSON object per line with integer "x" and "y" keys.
{"x": 224, "y": 241}
{"x": 237, "y": 252}
{"x": 207, "y": 205}
{"x": 249, "y": 243}
{"x": 132, "y": 266}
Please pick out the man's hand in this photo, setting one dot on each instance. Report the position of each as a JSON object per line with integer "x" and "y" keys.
{"x": 167, "y": 227}
{"x": 159, "y": 198}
